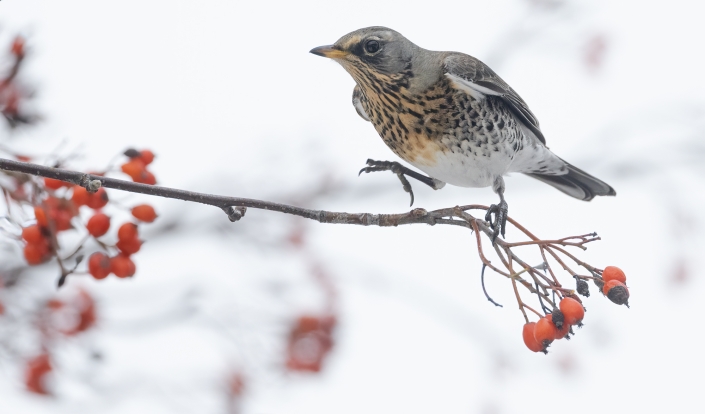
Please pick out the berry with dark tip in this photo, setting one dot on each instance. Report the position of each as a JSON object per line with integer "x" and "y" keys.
{"x": 617, "y": 292}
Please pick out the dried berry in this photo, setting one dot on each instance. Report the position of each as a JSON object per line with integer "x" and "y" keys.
{"x": 617, "y": 292}
{"x": 558, "y": 318}
{"x": 582, "y": 287}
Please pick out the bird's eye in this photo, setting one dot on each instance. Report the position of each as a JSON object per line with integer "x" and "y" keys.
{"x": 372, "y": 46}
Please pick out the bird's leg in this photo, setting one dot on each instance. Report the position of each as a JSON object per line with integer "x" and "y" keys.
{"x": 401, "y": 172}
{"x": 500, "y": 210}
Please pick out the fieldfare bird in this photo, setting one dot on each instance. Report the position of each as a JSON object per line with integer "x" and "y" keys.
{"x": 450, "y": 116}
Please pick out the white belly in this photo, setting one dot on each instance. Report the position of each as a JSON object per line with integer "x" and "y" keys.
{"x": 465, "y": 169}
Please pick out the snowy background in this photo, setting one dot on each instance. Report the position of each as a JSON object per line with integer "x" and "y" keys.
{"x": 227, "y": 95}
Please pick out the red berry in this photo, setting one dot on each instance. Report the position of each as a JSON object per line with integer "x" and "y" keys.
{"x": 529, "y": 338}
{"x": 61, "y": 217}
{"x": 80, "y": 196}
{"x": 99, "y": 265}
{"x": 129, "y": 246}
{"x": 147, "y": 178}
{"x": 572, "y": 310}
{"x": 134, "y": 168}
{"x": 617, "y": 292}
{"x": 36, "y": 253}
{"x": 55, "y": 184}
{"x": 98, "y": 199}
{"x": 33, "y": 234}
{"x": 147, "y": 156}
{"x": 17, "y": 48}
{"x": 613, "y": 273}
{"x": 35, "y": 372}
{"x": 98, "y": 225}
{"x": 41, "y": 216}
{"x": 545, "y": 331}
{"x": 122, "y": 266}
{"x": 127, "y": 231}
{"x": 144, "y": 212}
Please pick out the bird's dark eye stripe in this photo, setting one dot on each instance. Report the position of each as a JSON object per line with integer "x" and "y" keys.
{"x": 372, "y": 46}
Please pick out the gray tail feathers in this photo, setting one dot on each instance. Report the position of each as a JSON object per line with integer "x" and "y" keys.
{"x": 577, "y": 183}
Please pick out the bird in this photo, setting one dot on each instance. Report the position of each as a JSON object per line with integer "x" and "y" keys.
{"x": 451, "y": 116}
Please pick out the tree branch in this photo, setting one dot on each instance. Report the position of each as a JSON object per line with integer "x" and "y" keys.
{"x": 235, "y": 208}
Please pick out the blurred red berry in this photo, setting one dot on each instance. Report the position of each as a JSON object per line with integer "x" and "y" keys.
{"x": 41, "y": 217}
{"x": 127, "y": 231}
{"x": 144, "y": 212}
{"x": 529, "y": 338}
{"x": 572, "y": 310}
{"x": 122, "y": 266}
{"x": 80, "y": 196}
{"x": 35, "y": 374}
{"x": 147, "y": 178}
{"x": 613, "y": 273}
{"x": 55, "y": 184}
{"x": 99, "y": 265}
{"x": 83, "y": 307}
{"x": 17, "y": 48}
{"x": 147, "y": 156}
{"x": 97, "y": 200}
{"x": 61, "y": 217}
{"x": 129, "y": 246}
{"x": 98, "y": 225}
{"x": 134, "y": 168}
{"x": 33, "y": 234}
{"x": 310, "y": 341}
{"x": 36, "y": 253}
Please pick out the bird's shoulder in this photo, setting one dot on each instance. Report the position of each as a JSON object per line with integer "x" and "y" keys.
{"x": 473, "y": 76}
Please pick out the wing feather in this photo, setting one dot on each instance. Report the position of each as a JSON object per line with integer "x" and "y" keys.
{"x": 478, "y": 76}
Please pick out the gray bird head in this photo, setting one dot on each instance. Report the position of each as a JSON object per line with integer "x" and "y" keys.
{"x": 374, "y": 52}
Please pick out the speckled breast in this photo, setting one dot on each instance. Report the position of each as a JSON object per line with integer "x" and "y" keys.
{"x": 445, "y": 132}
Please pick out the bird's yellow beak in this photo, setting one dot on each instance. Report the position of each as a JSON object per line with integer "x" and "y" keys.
{"x": 329, "y": 51}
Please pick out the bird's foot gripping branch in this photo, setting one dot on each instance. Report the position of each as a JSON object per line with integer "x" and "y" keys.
{"x": 62, "y": 196}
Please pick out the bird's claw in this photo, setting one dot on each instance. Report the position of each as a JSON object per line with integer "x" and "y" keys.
{"x": 499, "y": 224}
{"x": 393, "y": 166}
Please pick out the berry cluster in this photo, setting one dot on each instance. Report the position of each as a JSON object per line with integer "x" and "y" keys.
{"x": 614, "y": 285}
{"x": 558, "y": 324}
{"x": 13, "y": 95}
{"x": 57, "y": 212}
{"x": 58, "y": 318}
{"x": 136, "y": 167}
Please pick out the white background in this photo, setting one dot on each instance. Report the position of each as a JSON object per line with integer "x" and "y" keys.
{"x": 229, "y": 98}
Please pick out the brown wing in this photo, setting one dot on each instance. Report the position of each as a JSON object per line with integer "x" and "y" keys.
{"x": 483, "y": 79}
